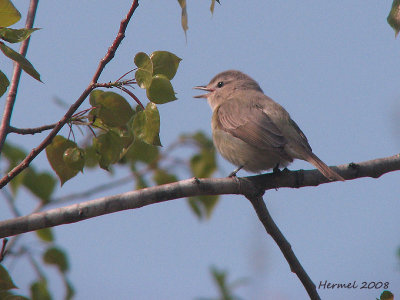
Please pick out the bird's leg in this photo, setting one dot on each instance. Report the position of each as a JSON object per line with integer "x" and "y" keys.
{"x": 276, "y": 170}
{"x": 233, "y": 174}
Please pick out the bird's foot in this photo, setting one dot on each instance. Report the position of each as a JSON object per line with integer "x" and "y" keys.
{"x": 233, "y": 174}
{"x": 276, "y": 170}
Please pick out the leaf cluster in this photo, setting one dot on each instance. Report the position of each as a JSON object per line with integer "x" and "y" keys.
{"x": 40, "y": 184}
{"x": 120, "y": 127}
{"x": 52, "y": 256}
{"x": 123, "y": 134}
{"x": 225, "y": 289}
{"x": 9, "y": 15}
{"x": 154, "y": 74}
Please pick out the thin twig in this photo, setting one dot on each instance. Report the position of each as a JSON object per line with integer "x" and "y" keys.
{"x": 10, "y": 200}
{"x": 109, "y": 55}
{"x": 121, "y": 34}
{"x": 94, "y": 190}
{"x": 3, "y": 251}
{"x": 40, "y": 273}
{"x": 31, "y": 130}
{"x": 15, "y": 211}
{"x": 126, "y": 74}
{"x": 9, "y": 106}
{"x": 132, "y": 95}
{"x": 75, "y": 120}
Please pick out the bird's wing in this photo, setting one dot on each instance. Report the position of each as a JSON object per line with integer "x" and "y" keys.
{"x": 249, "y": 123}
{"x": 304, "y": 140}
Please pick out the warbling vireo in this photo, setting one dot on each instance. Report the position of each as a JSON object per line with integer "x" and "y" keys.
{"x": 251, "y": 130}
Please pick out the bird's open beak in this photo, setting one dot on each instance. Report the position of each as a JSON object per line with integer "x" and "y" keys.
{"x": 203, "y": 88}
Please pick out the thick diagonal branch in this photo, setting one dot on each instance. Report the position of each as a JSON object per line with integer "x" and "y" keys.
{"x": 109, "y": 55}
{"x": 283, "y": 244}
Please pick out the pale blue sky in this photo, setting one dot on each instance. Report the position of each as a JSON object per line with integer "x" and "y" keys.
{"x": 333, "y": 65}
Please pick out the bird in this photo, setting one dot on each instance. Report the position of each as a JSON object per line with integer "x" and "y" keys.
{"x": 251, "y": 130}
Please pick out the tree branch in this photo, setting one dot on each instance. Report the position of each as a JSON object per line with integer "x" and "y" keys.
{"x": 120, "y": 36}
{"x": 372, "y": 168}
{"x": 12, "y": 93}
{"x": 273, "y": 230}
{"x": 107, "y": 58}
{"x": 191, "y": 187}
{"x": 252, "y": 187}
{"x": 3, "y": 250}
{"x": 31, "y": 130}
{"x": 130, "y": 200}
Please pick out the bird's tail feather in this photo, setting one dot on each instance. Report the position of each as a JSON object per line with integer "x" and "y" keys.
{"x": 323, "y": 168}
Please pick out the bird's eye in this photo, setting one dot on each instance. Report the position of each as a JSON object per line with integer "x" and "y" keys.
{"x": 220, "y": 84}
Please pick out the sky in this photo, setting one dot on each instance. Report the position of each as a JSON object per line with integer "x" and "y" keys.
{"x": 333, "y": 65}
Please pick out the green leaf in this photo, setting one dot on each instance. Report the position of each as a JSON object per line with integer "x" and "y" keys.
{"x": 91, "y": 157}
{"x": 163, "y": 177}
{"x": 220, "y": 279}
{"x": 394, "y": 17}
{"x": 126, "y": 138}
{"x": 6, "y": 295}
{"x": 39, "y": 290}
{"x": 386, "y": 295}
{"x": 126, "y": 134}
{"x": 195, "y": 206}
{"x": 146, "y": 125}
{"x": 94, "y": 96}
{"x": 6, "y": 283}
{"x": 212, "y": 6}
{"x": 141, "y": 151}
{"x": 55, "y": 156}
{"x": 22, "y": 61}
{"x": 160, "y": 90}
{"x": 57, "y": 257}
{"x": 17, "y": 182}
{"x": 203, "y": 141}
{"x": 203, "y": 164}
{"x": 4, "y": 83}
{"x": 40, "y": 184}
{"x": 165, "y": 63}
{"x": 74, "y": 157}
{"x": 143, "y": 61}
{"x": 143, "y": 78}
{"x": 145, "y": 70}
{"x": 109, "y": 147}
{"x": 14, "y": 155}
{"x": 8, "y": 13}
{"x": 70, "y": 290}
{"x": 16, "y": 35}
{"x": 184, "y": 16}
{"x": 203, "y": 205}
{"x": 209, "y": 202}
{"x": 140, "y": 181}
{"x": 225, "y": 289}
{"x": 45, "y": 234}
{"x": 112, "y": 109}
